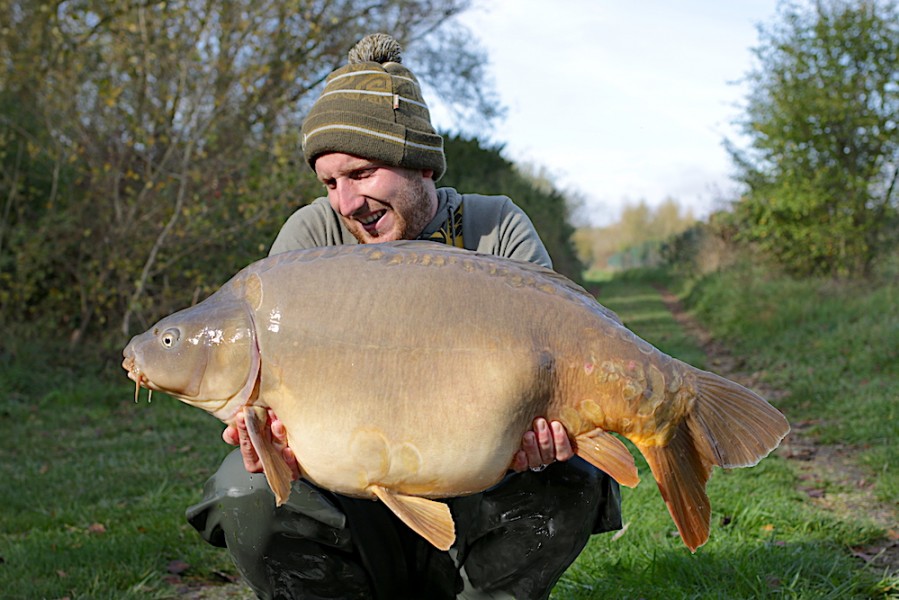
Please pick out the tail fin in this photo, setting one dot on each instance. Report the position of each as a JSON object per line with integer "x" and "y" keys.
{"x": 739, "y": 426}
{"x": 730, "y": 426}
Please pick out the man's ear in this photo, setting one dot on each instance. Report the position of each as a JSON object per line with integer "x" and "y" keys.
{"x": 427, "y": 174}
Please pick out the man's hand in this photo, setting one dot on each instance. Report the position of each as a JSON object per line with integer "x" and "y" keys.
{"x": 544, "y": 445}
{"x": 237, "y": 435}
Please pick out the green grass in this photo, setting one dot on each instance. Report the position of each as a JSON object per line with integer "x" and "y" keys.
{"x": 767, "y": 539}
{"x": 834, "y": 346}
{"x": 94, "y": 486}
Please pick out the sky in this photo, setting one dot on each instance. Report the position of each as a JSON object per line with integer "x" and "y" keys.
{"x": 622, "y": 101}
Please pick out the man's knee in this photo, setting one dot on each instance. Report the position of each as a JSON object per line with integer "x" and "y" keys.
{"x": 532, "y": 526}
{"x": 301, "y": 549}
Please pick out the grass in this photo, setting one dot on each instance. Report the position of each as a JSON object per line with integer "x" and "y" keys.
{"x": 95, "y": 486}
{"x": 834, "y": 346}
{"x": 767, "y": 539}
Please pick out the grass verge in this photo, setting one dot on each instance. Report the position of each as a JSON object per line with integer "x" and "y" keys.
{"x": 834, "y": 346}
{"x": 767, "y": 539}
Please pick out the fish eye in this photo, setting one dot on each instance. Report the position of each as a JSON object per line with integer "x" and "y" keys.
{"x": 169, "y": 337}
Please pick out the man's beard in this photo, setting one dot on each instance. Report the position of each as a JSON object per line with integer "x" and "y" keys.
{"x": 408, "y": 226}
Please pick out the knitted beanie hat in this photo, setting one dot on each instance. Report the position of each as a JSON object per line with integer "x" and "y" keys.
{"x": 373, "y": 108}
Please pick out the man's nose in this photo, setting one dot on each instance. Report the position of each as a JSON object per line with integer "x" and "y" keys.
{"x": 348, "y": 200}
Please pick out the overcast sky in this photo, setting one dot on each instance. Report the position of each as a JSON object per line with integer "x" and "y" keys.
{"x": 622, "y": 101}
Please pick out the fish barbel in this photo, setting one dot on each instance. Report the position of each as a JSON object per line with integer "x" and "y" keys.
{"x": 409, "y": 371}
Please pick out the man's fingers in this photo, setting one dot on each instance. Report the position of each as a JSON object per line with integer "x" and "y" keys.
{"x": 292, "y": 462}
{"x": 230, "y": 435}
{"x": 251, "y": 460}
{"x": 520, "y": 462}
{"x": 531, "y": 449}
{"x": 544, "y": 442}
{"x": 564, "y": 451}
{"x": 279, "y": 432}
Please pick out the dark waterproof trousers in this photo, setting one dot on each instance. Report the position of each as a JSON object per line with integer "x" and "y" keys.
{"x": 512, "y": 541}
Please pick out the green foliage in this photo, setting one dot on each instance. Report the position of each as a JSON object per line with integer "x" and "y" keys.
{"x": 705, "y": 246}
{"x": 149, "y": 150}
{"x": 765, "y": 543}
{"x": 473, "y": 168}
{"x": 824, "y": 158}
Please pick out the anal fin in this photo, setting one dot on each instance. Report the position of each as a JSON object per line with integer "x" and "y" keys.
{"x": 681, "y": 471}
{"x": 428, "y": 518}
{"x": 273, "y": 464}
{"x": 609, "y": 454}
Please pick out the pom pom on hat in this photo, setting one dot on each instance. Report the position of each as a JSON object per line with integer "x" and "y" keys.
{"x": 373, "y": 108}
{"x": 377, "y": 47}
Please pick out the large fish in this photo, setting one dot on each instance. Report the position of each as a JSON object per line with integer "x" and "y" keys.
{"x": 409, "y": 371}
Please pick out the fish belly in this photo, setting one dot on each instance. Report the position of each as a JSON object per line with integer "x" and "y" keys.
{"x": 433, "y": 423}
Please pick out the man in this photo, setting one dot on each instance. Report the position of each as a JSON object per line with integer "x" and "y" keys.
{"x": 370, "y": 141}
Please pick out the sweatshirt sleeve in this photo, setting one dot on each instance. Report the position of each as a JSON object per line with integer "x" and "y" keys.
{"x": 311, "y": 226}
{"x": 501, "y": 228}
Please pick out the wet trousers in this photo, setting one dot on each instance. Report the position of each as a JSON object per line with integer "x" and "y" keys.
{"x": 512, "y": 541}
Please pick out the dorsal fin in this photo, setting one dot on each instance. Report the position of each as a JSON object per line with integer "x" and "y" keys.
{"x": 521, "y": 266}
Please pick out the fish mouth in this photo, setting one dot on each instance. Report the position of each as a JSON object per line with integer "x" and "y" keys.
{"x": 220, "y": 409}
{"x": 133, "y": 372}
{"x": 140, "y": 380}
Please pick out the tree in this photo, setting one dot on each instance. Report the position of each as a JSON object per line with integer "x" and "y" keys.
{"x": 150, "y": 149}
{"x": 822, "y": 165}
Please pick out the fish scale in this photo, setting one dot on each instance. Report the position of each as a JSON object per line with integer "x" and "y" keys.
{"x": 408, "y": 372}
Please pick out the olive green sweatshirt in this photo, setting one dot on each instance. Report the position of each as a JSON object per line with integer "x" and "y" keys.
{"x": 487, "y": 224}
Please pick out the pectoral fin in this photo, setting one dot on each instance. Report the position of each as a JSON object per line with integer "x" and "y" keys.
{"x": 609, "y": 454}
{"x": 429, "y": 519}
{"x": 276, "y": 470}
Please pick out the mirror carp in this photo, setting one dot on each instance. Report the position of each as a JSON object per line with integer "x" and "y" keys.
{"x": 409, "y": 371}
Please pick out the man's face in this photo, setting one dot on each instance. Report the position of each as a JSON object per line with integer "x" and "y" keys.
{"x": 377, "y": 203}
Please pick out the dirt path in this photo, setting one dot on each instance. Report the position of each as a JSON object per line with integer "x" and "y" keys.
{"x": 829, "y": 474}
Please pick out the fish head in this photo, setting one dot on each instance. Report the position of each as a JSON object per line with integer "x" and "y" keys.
{"x": 205, "y": 356}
